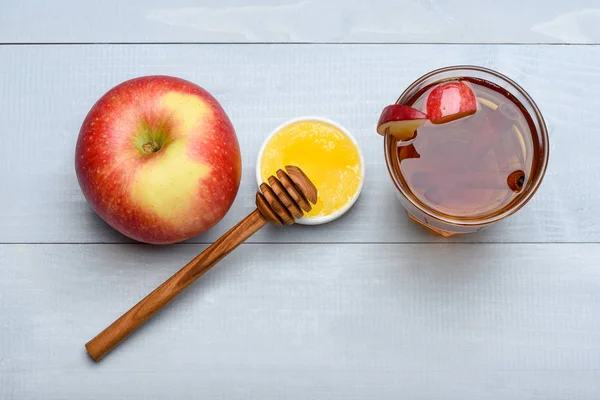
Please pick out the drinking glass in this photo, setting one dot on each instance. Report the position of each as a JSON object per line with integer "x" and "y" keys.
{"x": 436, "y": 215}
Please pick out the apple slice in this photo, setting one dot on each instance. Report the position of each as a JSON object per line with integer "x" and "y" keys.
{"x": 450, "y": 101}
{"x": 400, "y": 121}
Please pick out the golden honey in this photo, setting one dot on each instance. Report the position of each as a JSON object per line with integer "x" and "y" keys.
{"x": 329, "y": 157}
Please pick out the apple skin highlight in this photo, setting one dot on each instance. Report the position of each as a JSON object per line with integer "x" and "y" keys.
{"x": 450, "y": 101}
{"x": 158, "y": 159}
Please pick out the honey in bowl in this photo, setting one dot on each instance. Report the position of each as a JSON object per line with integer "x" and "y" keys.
{"x": 328, "y": 155}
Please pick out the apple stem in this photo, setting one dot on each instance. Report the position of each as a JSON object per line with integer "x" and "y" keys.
{"x": 150, "y": 147}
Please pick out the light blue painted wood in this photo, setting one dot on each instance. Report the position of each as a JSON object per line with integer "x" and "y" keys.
{"x": 47, "y": 91}
{"x": 339, "y": 321}
{"x": 421, "y": 21}
{"x": 343, "y": 320}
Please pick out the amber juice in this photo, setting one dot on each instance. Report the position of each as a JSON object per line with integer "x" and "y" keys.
{"x": 474, "y": 166}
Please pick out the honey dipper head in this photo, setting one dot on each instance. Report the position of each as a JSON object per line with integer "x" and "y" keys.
{"x": 287, "y": 197}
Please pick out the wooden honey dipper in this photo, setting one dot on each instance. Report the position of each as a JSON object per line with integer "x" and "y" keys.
{"x": 281, "y": 202}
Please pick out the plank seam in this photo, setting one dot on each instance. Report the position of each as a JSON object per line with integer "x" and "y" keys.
{"x": 301, "y": 43}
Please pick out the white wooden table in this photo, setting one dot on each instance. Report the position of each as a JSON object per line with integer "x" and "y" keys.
{"x": 371, "y": 306}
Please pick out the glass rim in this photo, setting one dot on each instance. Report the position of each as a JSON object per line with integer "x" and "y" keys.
{"x": 541, "y": 129}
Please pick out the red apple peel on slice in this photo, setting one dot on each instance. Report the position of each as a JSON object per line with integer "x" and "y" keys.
{"x": 400, "y": 121}
{"x": 450, "y": 101}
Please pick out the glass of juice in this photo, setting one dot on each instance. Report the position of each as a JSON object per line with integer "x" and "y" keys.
{"x": 459, "y": 176}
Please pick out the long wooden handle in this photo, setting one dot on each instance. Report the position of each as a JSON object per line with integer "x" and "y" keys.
{"x": 106, "y": 340}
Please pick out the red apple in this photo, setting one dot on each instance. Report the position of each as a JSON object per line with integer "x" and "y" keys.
{"x": 158, "y": 159}
{"x": 400, "y": 121}
{"x": 450, "y": 101}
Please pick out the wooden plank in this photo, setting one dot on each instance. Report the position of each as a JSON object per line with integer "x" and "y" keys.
{"x": 47, "y": 91}
{"x": 427, "y": 321}
{"x": 416, "y": 21}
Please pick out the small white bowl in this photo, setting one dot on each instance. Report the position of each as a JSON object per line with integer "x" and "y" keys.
{"x": 347, "y": 206}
